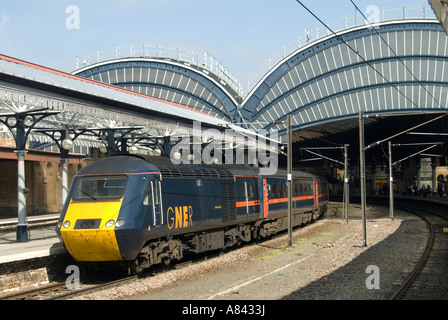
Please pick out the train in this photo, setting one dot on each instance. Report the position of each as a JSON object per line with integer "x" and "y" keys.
{"x": 142, "y": 211}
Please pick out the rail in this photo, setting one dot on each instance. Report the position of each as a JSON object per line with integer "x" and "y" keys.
{"x": 401, "y": 292}
{"x": 432, "y": 217}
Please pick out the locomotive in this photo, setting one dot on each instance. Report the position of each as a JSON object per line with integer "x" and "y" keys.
{"x": 143, "y": 211}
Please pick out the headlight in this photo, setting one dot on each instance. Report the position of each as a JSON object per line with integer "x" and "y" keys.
{"x": 60, "y": 224}
{"x": 110, "y": 223}
{"x": 120, "y": 223}
{"x": 66, "y": 224}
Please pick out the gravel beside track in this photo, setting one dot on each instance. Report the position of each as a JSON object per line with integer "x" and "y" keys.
{"x": 327, "y": 261}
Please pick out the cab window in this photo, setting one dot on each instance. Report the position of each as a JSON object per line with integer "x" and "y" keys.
{"x": 99, "y": 188}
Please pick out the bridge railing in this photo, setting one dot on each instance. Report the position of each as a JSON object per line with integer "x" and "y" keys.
{"x": 203, "y": 61}
{"x": 373, "y": 14}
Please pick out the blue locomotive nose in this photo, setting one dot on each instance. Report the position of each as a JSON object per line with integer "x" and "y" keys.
{"x": 108, "y": 207}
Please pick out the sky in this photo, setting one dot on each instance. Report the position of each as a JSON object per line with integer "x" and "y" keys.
{"x": 242, "y": 34}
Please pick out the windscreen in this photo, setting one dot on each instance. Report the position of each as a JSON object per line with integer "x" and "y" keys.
{"x": 108, "y": 188}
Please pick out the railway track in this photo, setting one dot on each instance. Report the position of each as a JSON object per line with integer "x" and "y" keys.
{"x": 59, "y": 290}
{"x": 427, "y": 281}
{"x": 33, "y": 294}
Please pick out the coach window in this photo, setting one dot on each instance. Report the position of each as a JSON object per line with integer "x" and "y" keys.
{"x": 275, "y": 191}
{"x": 250, "y": 191}
{"x": 296, "y": 188}
{"x": 283, "y": 191}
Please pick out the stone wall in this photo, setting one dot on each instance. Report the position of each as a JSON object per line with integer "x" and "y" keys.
{"x": 43, "y": 179}
{"x": 30, "y": 273}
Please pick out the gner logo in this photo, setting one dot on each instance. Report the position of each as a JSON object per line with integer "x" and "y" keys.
{"x": 179, "y": 217}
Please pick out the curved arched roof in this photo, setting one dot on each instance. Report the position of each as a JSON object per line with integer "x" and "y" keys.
{"x": 326, "y": 80}
{"x": 399, "y": 66}
{"x": 168, "y": 80}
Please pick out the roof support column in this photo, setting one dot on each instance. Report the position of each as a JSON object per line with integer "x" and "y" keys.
{"x": 64, "y": 162}
{"x": 64, "y": 147}
{"x": 22, "y": 191}
{"x": 111, "y": 146}
{"x": 23, "y": 123}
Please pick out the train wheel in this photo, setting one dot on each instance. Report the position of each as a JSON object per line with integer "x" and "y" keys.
{"x": 238, "y": 243}
{"x": 167, "y": 263}
{"x": 316, "y": 214}
{"x": 135, "y": 268}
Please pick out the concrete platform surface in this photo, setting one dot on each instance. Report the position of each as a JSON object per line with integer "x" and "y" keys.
{"x": 42, "y": 242}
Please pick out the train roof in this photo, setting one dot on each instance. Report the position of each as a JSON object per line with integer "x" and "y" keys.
{"x": 131, "y": 164}
{"x": 167, "y": 168}
{"x": 118, "y": 165}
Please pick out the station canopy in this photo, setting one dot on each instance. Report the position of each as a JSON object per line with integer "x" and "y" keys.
{"x": 319, "y": 81}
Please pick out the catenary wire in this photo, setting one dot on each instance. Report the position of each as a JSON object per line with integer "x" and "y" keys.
{"x": 360, "y": 56}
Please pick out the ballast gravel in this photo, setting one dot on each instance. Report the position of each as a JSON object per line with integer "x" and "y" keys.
{"x": 326, "y": 261}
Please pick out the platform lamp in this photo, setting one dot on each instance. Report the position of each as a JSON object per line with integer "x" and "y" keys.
{"x": 133, "y": 149}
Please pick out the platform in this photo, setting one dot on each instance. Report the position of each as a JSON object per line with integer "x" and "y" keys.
{"x": 42, "y": 242}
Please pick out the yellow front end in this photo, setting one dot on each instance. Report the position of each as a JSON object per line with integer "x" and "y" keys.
{"x": 91, "y": 244}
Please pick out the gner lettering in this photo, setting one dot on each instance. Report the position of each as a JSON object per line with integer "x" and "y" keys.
{"x": 179, "y": 217}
